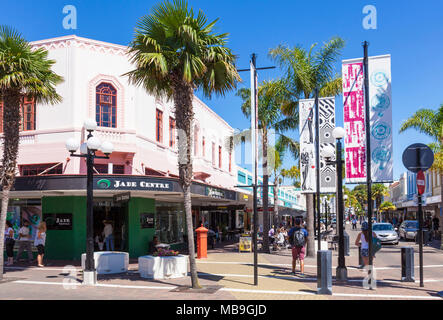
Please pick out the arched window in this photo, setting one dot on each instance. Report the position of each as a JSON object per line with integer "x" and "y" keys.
{"x": 106, "y": 105}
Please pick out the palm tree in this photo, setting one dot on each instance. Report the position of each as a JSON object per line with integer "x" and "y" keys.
{"x": 23, "y": 72}
{"x": 387, "y": 207}
{"x": 379, "y": 191}
{"x": 276, "y": 154}
{"x": 272, "y": 97}
{"x": 306, "y": 71}
{"x": 176, "y": 53}
{"x": 430, "y": 123}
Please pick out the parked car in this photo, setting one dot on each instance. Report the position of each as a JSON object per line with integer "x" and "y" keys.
{"x": 408, "y": 229}
{"x": 385, "y": 232}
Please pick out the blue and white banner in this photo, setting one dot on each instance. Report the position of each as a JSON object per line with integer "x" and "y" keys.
{"x": 380, "y": 102}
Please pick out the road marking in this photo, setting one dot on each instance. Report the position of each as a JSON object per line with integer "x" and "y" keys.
{"x": 41, "y": 269}
{"x": 234, "y": 290}
{"x": 97, "y": 285}
{"x": 292, "y": 277}
{"x": 306, "y": 266}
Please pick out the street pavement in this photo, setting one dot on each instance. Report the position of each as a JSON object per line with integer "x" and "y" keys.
{"x": 228, "y": 275}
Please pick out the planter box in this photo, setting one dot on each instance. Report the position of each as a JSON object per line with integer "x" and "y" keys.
{"x": 163, "y": 267}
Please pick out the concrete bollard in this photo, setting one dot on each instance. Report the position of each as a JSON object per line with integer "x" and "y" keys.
{"x": 407, "y": 264}
{"x": 324, "y": 272}
{"x": 346, "y": 238}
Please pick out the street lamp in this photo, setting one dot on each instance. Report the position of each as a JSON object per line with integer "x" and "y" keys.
{"x": 338, "y": 133}
{"x": 88, "y": 150}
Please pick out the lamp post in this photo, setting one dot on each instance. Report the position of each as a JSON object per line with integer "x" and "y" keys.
{"x": 338, "y": 133}
{"x": 88, "y": 150}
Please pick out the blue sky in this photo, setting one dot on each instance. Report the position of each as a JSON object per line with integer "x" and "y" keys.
{"x": 411, "y": 31}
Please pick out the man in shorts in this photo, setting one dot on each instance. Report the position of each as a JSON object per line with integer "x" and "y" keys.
{"x": 298, "y": 236}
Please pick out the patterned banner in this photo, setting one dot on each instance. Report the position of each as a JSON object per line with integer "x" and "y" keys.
{"x": 307, "y": 144}
{"x": 327, "y": 124}
{"x": 380, "y": 119}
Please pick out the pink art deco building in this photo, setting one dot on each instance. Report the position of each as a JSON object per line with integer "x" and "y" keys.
{"x": 52, "y": 185}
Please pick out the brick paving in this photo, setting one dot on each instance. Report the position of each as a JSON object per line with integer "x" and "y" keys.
{"x": 233, "y": 272}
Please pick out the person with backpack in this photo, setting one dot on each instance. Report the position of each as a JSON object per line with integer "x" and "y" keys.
{"x": 297, "y": 237}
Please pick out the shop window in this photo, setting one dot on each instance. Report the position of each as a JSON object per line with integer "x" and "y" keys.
{"x": 27, "y": 114}
{"x": 36, "y": 169}
{"x": 171, "y": 132}
{"x": 106, "y": 105}
{"x": 159, "y": 126}
{"x": 170, "y": 222}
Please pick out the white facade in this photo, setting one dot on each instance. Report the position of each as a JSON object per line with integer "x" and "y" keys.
{"x": 84, "y": 64}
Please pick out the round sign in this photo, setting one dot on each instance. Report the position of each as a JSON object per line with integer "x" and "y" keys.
{"x": 421, "y": 182}
{"x": 418, "y": 157}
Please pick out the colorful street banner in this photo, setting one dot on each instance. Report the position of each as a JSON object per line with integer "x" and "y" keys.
{"x": 307, "y": 144}
{"x": 380, "y": 119}
{"x": 380, "y": 99}
{"x": 354, "y": 121}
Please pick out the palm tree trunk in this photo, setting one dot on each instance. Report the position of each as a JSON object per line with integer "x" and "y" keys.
{"x": 265, "y": 189}
{"x": 11, "y": 138}
{"x": 184, "y": 115}
{"x": 310, "y": 252}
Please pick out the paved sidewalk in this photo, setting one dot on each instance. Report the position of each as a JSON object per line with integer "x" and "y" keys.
{"x": 232, "y": 274}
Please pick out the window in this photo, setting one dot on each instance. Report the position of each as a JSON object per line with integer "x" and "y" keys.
{"x": 203, "y": 146}
{"x": 169, "y": 222}
{"x": 46, "y": 168}
{"x": 159, "y": 126}
{"x": 195, "y": 141}
{"x": 101, "y": 168}
{"x": 213, "y": 154}
{"x": 118, "y": 169}
{"x": 230, "y": 160}
{"x": 241, "y": 177}
{"x": 171, "y": 132}
{"x": 27, "y": 114}
{"x": 219, "y": 157}
{"x": 106, "y": 105}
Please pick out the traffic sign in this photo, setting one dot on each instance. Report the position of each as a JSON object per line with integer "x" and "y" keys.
{"x": 421, "y": 182}
{"x": 418, "y": 157}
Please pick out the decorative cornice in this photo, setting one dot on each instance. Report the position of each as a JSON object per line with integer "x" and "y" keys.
{"x": 83, "y": 43}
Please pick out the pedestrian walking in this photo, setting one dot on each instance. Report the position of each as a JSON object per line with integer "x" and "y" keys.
{"x": 9, "y": 243}
{"x": 354, "y": 223}
{"x": 24, "y": 242}
{"x": 109, "y": 236}
{"x": 298, "y": 236}
{"x": 39, "y": 242}
{"x": 362, "y": 242}
{"x": 435, "y": 226}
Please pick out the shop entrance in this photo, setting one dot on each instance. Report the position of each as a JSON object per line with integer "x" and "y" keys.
{"x": 116, "y": 213}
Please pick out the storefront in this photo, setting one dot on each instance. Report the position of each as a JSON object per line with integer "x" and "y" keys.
{"x": 138, "y": 207}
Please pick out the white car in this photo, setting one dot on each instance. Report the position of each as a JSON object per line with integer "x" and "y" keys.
{"x": 385, "y": 232}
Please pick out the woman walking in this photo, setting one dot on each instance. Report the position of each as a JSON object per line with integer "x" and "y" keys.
{"x": 40, "y": 240}
{"x": 362, "y": 241}
{"x": 9, "y": 243}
